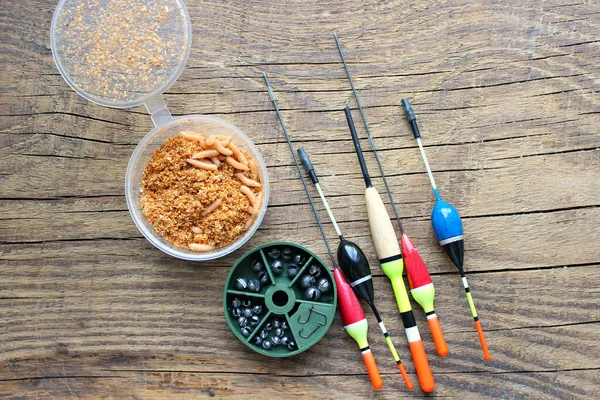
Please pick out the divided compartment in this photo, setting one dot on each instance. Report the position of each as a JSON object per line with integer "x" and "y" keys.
{"x": 307, "y": 288}
{"x": 274, "y": 337}
{"x": 282, "y": 259}
{"x": 246, "y": 314}
{"x": 246, "y": 276}
{"x": 284, "y": 300}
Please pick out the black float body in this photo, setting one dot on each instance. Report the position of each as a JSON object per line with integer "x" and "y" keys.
{"x": 456, "y": 252}
{"x": 355, "y": 266}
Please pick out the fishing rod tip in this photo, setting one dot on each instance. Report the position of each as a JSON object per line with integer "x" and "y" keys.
{"x": 410, "y": 113}
{"x": 349, "y": 118}
{"x": 304, "y": 158}
{"x": 410, "y": 116}
{"x": 307, "y": 165}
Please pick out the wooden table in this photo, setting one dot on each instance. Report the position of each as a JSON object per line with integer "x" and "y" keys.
{"x": 508, "y": 106}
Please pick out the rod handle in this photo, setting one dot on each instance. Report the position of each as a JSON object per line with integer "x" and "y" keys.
{"x": 417, "y": 350}
{"x": 308, "y": 165}
{"x": 484, "y": 346}
{"x": 438, "y": 336}
{"x": 407, "y": 381}
{"x": 410, "y": 116}
{"x": 372, "y": 369}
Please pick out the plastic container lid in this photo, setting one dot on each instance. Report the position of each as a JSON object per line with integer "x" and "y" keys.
{"x": 121, "y": 53}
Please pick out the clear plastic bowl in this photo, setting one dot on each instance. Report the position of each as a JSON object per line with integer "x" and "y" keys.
{"x": 150, "y": 143}
{"x": 120, "y": 53}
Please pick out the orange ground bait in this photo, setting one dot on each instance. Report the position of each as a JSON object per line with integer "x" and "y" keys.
{"x": 175, "y": 194}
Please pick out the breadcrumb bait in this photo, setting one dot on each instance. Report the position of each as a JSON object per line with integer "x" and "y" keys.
{"x": 175, "y": 194}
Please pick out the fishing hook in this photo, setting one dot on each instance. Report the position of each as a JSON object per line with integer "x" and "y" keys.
{"x": 310, "y": 311}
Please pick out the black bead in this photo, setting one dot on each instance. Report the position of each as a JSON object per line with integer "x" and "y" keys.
{"x": 254, "y": 320}
{"x": 324, "y": 285}
{"x": 284, "y": 325}
{"x": 307, "y": 281}
{"x": 314, "y": 270}
{"x": 292, "y": 271}
{"x": 241, "y": 283}
{"x": 246, "y": 303}
{"x": 236, "y": 312}
{"x": 263, "y": 277}
{"x": 312, "y": 293}
{"x": 275, "y": 340}
{"x": 291, "y": 345}
{"x": 264, "y": 333}
{"x": 268, "y": 326}
{"x": 247, "y": 312}
{"x": 273, "y": 253}
{"x": 257, "y": 266}
{"x": 246, "y": 331}
{"x": 258, "y": 340}
{"x": 277, "y": 267}
{"x": 254, "y": 285}
{"x": 286, "y": 253}
{"x": 299, "y": 259}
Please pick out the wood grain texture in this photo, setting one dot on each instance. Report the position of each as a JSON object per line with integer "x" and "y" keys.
{"x": 507, "y": 99}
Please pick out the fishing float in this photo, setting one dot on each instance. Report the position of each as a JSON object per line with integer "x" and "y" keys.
{"x": 448, "y": 228}
{"x": 355, "y": 265}
{"x": 390, "y": 259}
{"x": 353, "y": 316}
{"x": 419, "y": 280}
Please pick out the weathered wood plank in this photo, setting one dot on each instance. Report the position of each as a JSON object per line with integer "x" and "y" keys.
{"x": 506, "y": 96}
{"x": 172, "y": 315}
{"x": 186, "y": 385}
{"x": 95, "y": 278}
{"x": 520, "y": 240}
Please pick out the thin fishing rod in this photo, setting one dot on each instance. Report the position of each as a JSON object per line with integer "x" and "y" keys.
{"x": 289, "y": 142}
{"x": 355, "y": 265}
{"x": 371, "y": 141}
{"x": 448, "y": 229}
{"x": 353, "y": 316}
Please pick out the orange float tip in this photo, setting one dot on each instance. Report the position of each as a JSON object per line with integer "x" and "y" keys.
{"x": 484, "y": 346}
{"x": 438, "y": 336}
{"x": 417, "y": 350}
{"x": 407, "y": 381}
{"x": 372, "y": 369}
